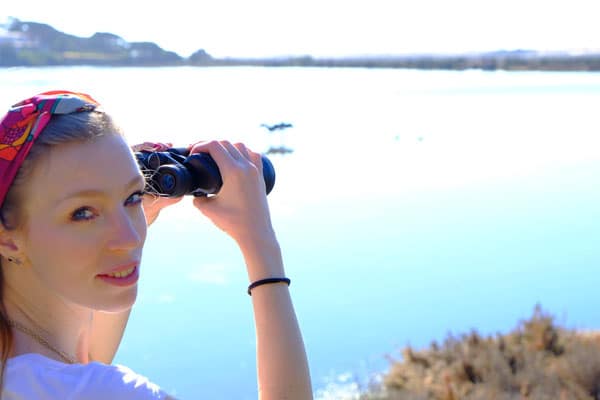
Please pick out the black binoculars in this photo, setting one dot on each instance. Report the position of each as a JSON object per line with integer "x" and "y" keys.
{"x": 174, "y": 172}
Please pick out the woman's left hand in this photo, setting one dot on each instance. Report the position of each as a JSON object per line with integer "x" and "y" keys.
{"x": 151, "y": 146}
{"x": 152, "y": 205}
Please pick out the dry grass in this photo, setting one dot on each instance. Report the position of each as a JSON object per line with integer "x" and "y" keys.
{"x": 537, "y": 361}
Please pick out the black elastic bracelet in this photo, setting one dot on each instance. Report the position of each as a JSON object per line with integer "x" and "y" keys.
{"x": 266, "y": 281}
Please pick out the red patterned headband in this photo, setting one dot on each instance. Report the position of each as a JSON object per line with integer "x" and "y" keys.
{"x": 24, "y": 122}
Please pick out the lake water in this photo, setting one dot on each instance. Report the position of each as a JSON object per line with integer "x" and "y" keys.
{"x": 415, "y": 203}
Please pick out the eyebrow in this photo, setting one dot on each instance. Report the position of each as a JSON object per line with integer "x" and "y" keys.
{"x": 138, "y": 179}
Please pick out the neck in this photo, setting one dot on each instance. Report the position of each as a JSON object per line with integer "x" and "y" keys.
{"x": 65, "y": 327}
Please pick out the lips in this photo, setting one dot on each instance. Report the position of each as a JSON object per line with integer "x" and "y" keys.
{"x": 123, "y": 275}
{"x": 120, "y": 269}
{"x": 120, "y": 274}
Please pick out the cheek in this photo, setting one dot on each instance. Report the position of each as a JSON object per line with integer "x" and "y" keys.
{"x": 54, "y": 252}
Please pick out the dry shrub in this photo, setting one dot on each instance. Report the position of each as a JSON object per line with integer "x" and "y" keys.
{"x": 536, "y": 361}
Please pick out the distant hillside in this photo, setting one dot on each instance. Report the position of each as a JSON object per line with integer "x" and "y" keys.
{"x": 33, "y": 44}
{"x": 37, "y": 44}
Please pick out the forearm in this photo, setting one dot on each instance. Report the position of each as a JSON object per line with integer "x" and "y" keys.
{"x": 281, "y": 359}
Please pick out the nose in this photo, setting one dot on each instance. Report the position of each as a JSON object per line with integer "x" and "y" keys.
{"x": 126, "y": 231}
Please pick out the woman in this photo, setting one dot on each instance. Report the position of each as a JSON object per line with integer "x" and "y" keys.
{"x": 73, "y": 223}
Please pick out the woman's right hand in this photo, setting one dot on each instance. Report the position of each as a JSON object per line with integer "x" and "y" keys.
{"x": 240, "y": 208}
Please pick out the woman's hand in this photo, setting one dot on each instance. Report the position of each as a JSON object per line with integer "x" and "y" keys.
{"x": 240, "y": 208}
{"x": 151, "y": 146}
{"x": 152, "y": 205}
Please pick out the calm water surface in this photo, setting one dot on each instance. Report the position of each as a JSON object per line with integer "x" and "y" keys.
{"x": 415, "y": 204}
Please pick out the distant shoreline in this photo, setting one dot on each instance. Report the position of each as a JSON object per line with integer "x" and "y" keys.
{"x": 32, "y": 44}
{"x": 338, "y": 63}
{"x": 505, "y": 61}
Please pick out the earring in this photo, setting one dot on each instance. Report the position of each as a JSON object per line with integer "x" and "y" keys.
{"x": 14, "y": 260}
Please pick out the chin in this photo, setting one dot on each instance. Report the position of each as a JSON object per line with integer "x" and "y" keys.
{"x": 118, "y": 302}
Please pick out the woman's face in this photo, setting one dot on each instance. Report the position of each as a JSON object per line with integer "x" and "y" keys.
{"x": 85, "y": 226}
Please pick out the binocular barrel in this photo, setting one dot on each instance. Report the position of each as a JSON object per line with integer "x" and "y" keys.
{"x": 174, "y": 173}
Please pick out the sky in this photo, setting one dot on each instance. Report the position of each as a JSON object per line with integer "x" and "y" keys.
{"x": 258, "y": 28}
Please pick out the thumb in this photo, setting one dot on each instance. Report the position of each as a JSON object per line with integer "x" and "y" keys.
{"x": 202, "y": 203}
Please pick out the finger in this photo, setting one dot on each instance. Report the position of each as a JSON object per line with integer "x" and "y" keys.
{"x": 151, "y": 146}
{"x": 235, "y": 153}
{"x": 146, "y": 146}
{"x": 163, "y": 146}
{"x": 241, "y": 147}
{"x": 256, "y": 159}
{"x": 203, "y": 203}
{"x": 217, "y": 151}
{"x": 190, "y": 146}
{"x": 200, "y": 200}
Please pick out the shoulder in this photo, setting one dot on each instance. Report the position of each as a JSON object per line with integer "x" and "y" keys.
{"x": 37, "y": 377}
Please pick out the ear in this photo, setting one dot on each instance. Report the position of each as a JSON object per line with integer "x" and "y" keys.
{"x": 8, "y": 243}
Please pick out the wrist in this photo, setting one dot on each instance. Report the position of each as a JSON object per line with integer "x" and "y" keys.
{"x": 263, "y": 258}
{"x": 254, "y": 242}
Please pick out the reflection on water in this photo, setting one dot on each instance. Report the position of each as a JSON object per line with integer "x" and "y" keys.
{"x": 414, "y": 204}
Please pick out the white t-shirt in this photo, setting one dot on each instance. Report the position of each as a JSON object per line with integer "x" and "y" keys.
{"x": 33, "y": 376}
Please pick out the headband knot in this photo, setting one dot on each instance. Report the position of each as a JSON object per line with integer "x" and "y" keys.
{"x": 24, "y": 122}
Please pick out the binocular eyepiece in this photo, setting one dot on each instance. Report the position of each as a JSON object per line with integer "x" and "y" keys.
{"x": 174, "y": 173}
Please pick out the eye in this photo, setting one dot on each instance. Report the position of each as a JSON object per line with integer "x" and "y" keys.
{"x": 135, "y": 198}
{"x": 83, "y": 214}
